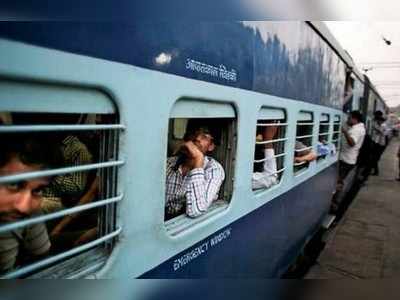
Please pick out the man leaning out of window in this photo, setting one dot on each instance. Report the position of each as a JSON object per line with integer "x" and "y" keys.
{"x": 193, "y": 178}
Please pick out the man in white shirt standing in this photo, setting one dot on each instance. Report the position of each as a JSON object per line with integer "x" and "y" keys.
{"x": 352, "y": 140}
{"x": 379, "y": 138}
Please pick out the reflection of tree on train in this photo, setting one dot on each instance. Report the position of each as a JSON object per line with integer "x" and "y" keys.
{"x": 313, "y": 75}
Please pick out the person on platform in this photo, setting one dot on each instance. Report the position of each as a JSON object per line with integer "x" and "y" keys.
{"x": 353, "y": 137}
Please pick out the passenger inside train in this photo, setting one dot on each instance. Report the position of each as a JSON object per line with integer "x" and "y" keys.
{"x": 37, "y": 151}
{"x": 193, "y": 177}
{"x": 324, "y": 148}
{"x": 5, "y": 118}
{"x": 303, "y": 154}
{"x": 21, "y": 200}
{"x": 265, "y": 171}
{"x": 66, "y": 189}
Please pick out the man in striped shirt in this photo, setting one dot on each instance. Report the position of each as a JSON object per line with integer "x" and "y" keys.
{"x": 19, "y": 200}
{"x": 193, "y": 178}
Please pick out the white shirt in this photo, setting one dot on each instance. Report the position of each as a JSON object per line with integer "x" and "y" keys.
{"x": 378, "y": 134}
{"x": 387, "y": 129}
{"x": 349, "y": 154}
{"x": 268, "y": 177}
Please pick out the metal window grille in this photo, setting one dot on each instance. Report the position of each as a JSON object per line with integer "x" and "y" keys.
{"x": 278, "y": 145}
{"x": 104, "y": 205}
{"x": 304, "y": 139}
{"x": 323, "y": 134}
{"x": 336, "y": 132}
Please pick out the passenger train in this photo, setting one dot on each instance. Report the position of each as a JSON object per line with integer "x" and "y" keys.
{"x": 129, "y": 92}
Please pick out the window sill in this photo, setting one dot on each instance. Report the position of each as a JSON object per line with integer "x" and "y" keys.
{"x": 72, "y": 268}
{"x": 262, "y": 192}
{"x": 182, "y": 223}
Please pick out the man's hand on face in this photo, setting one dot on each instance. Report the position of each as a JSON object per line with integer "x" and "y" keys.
{"x": 196, "y": 157}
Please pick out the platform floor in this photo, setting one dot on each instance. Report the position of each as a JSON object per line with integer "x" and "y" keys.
{"x": 366, "y": 242}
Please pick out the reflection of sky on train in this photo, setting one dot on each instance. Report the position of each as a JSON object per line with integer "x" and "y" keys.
{"x": 363, "y": 40}
{"x": 288, "y": 32}
{"x": 289, "y": 55}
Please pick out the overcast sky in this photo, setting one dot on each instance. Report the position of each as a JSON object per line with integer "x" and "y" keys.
{"x": 363, "y": 40}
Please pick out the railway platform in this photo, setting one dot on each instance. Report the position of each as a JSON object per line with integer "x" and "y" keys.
{"x": 366, "y": 241}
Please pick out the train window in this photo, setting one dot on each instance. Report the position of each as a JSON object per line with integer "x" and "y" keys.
{"x": 304, "y": 140}
{"x": 269, "y": 155}
{"x": 60, "y": 172}
{"x": 323, "y": 146}
{"x": 200, "y": 158}
{"x": 336, "y": 132}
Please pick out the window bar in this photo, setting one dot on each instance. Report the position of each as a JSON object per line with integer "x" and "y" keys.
{"x": 114, "y": 171}
{"x": 109, "y": 173}
{"x": 49, "y": 128}
{"x": 265, "y": 159}
{"x": 281, "y": 161}
{"x": 104, "y": 210}
{"x": 101, "y": 215}
{"x": 272, "y": 124}
{"x": 304, "y": 136}
{"x": 60, "y": 171}
{"x": 280, "y": 171}
{"x": 62, "y": 213}
{"x": 45, "y": 262}
{"x": 304, "y": 149}
{"x": 305, "y": 124}
{"x": 115, "y": 179}
{"x": 271, "y": 141}
{"x": 300, "y": 163}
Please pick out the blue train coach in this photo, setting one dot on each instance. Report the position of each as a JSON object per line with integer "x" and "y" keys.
{"x": 125, "y": 94}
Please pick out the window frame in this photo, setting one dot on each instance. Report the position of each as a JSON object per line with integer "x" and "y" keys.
{"x": 265, "y": 114}
{"x": 336, "y": 132}
{"x": 190, "y": 108}
{"x": 45, "y": 98}
{"x": 304, "y": 167}
{"x": 327, "y": 133}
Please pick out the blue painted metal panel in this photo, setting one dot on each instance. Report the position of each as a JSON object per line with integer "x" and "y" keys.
{"x": 294, "y": 62}
{"x": 261, "y": 244}
{"x": 286, "y": 59}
